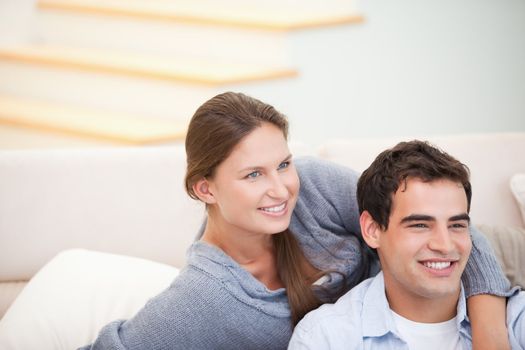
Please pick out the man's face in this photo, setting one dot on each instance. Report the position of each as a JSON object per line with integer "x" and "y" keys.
{"x": 426, "y": 246}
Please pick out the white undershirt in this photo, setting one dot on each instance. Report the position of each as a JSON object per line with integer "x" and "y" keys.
{"x": 429, "y": 336}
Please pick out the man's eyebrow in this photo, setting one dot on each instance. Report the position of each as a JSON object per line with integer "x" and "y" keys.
{"x": 460, "y": 217}
{"x": 417, "y": 217}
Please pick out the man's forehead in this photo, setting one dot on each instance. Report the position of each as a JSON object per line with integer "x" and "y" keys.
{"x": 417, "y": 196}
{"x": 404, "y": 183}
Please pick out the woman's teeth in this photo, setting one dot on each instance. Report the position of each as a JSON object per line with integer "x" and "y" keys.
{"x": 275, "y": 209}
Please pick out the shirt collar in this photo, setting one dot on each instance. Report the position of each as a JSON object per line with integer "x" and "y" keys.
{"x": 377, "y": 318}
{"x": 462, "y": 319}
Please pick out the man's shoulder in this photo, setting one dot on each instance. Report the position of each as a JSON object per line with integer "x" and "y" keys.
{"x": 516, "y": 320}
{"x": 516, "y": 308}
{"x": 347, "y": 310}
{"x": 334, "y": 326}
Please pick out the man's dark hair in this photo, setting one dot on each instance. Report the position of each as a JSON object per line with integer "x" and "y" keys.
{"x": 393, "y": 167}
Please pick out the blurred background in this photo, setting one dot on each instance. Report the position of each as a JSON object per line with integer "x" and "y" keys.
{"x": 87, "y": 73}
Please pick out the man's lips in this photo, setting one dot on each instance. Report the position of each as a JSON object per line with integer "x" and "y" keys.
{"x": 439, "y": 267}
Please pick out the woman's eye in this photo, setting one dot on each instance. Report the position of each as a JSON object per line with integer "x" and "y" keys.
{"x": 284, "y": 165}
{"x": 253, "y": 174}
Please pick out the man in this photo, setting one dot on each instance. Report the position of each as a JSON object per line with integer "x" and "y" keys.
{"x": 414, "y": 202}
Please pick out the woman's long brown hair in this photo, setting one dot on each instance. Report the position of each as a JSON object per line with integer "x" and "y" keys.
{"x": 290, "y": 263}
{"x": 214, "y": 130}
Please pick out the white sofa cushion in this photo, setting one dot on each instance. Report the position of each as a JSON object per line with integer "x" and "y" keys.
{"x": 8, "y": 292}
{"x": 77, "y": 293}
{"x": 517, "y": 186}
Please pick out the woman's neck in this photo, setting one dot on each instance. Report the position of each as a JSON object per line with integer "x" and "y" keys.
{"x": 253, "y": 251}
{"x": 243, "y": 247}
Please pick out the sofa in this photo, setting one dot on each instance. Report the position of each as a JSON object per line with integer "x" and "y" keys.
{"x": 89, "y": 235}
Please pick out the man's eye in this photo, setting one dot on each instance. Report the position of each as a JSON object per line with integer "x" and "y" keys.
{"x": 458, "y": 225}
{"x": 284, "y": 165}
{"x": 253, "y": 175}
{"x": 420, "y": 225}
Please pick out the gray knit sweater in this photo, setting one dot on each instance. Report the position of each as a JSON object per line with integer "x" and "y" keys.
{"x": 216, "y": 304}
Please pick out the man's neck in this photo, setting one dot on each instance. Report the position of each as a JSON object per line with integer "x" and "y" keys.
{"x": 422, "y": 309}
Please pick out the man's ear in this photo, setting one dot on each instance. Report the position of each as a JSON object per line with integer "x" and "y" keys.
{"x": 202, "y": 190}
{"x": 370, "y": 229}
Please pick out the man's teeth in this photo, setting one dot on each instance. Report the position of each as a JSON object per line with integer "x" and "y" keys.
{"x": 275, "y": 209}
{"x": 437, "y": 265}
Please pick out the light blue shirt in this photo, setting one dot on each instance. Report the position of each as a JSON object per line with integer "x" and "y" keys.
{"x": 362, "y": 319}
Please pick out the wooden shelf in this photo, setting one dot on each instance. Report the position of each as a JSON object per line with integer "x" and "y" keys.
{"x": 206, "y": 13}
{"x": 74, "y": 121}
{"x": 144, "y": 66}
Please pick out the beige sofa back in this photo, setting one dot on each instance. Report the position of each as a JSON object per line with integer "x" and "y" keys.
{"x": 492, "y": 159}
{"x": 131, "y": 201}
{"x": 126, "y": 201}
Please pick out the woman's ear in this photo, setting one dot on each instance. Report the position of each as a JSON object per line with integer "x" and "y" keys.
{"x": 370, "y": 230}
{"x": 202, "y": 190}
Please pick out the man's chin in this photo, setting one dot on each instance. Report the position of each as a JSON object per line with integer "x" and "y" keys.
{"x": 440, "y": 292}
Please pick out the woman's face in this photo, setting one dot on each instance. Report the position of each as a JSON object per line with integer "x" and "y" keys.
{"x": 255, "y": 189}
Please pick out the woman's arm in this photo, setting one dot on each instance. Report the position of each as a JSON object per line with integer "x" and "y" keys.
{"x": 486, "y": 288}
{"x": 175, "y": 319}
{"x": 327, "y": 197}
{"x": 487, "y": 315}
{"x": 326, "y": 220}
{"x": 483, "y": 274}
{"x": 201, "y": 311}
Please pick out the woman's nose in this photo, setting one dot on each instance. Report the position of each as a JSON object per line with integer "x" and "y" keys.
{"x": 277, "y": 188}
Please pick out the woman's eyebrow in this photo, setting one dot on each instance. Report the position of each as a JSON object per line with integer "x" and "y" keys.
{"x": 258, "y": 167}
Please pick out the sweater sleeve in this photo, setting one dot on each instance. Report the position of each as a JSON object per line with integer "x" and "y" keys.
{"x": 483, "y": 273}
{"x": 175, "y": 319}
{"x": 194, "y": 313}
{"x": 326, "y": 220}
{"x": 328, "y": 194}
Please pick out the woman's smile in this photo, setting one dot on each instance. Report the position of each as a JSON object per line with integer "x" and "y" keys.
{"x": 277, "y": 210}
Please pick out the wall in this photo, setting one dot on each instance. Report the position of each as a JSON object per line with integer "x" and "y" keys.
{"x": 416, "y": 67}
{"x": 15, "y": 20}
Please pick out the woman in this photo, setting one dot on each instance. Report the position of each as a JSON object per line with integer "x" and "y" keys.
{"x": 269, "y": 253}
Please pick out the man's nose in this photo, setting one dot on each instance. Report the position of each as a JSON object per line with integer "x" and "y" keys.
{"x": 441, "y": 240}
